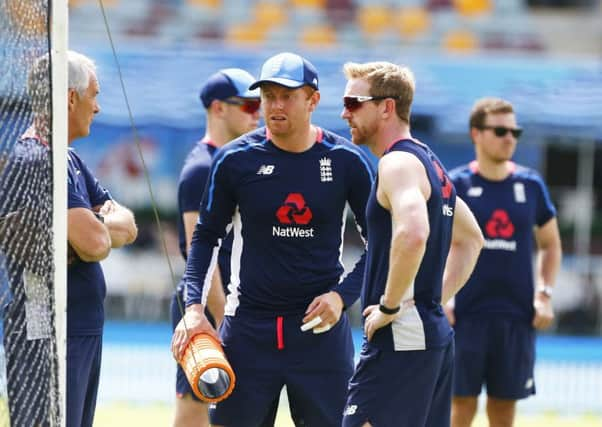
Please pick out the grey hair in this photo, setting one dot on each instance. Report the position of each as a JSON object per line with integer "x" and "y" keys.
{"x": 80, "y": 68}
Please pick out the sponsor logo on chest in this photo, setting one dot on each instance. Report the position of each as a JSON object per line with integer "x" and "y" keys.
{"x": 499, "y": 231}
{"x": 294, "y": 216}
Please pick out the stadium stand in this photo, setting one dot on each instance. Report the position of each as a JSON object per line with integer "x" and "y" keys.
{"x": 442, "y": 25}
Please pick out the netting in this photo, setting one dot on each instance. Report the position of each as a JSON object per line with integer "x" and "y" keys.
{"x": 28, "y": 359}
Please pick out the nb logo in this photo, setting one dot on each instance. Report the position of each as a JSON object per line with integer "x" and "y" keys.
{"x": 350, "y": 410}
{"x": 447, "y": 210}
{"x": 265, "y": 170}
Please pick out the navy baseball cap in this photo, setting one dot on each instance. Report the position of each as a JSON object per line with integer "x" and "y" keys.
{"x": 227, "y": 83}
{"x": 289, "y": 70}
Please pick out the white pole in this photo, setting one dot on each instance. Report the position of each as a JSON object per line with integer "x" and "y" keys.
{"x": 59, "y": 25}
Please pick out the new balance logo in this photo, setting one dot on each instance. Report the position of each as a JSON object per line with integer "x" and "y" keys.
{"x": 350, "y": 410}
{"x": 265, "y": 170}
{"x": 475, "y": 191}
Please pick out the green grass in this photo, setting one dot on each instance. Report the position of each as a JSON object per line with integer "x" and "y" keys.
{"x": 160, "y": 415}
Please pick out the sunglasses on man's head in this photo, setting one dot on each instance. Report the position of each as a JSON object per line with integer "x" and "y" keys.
{"x": 352, "y": 103}
{"x": 501, "y": 131}
{"x": 249, "y": 106}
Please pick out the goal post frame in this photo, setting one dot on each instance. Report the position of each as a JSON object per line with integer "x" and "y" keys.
{"x": 59, "y": 25}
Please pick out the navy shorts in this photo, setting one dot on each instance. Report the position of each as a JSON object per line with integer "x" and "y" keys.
{"x": 401, "y": 388}
{"x": 497, "y": 353}
{"x": 83, "y": 372}
{"x": 269, "y": 353}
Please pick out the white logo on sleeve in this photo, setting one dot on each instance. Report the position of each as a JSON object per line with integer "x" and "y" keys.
{"x": 448, "y": 210}
{"x": 529, "y": 383}
{"x": 350, "y": 410}
{"x": 265, "y": 170}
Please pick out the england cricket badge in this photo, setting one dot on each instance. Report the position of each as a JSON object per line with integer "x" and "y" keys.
{"x": 519, "y": 192}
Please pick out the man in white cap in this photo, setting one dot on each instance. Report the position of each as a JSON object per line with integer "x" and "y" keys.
{"x": 284, "y": 188}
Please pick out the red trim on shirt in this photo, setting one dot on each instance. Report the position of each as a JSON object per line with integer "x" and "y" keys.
{"x": 474, "y": 167}
{"x": 280, "y": 332}
{"x": 207, "y": 141}
{"x": 319, "y": 134}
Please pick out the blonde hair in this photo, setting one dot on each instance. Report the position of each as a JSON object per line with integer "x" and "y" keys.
{"x": 386, "y": 79}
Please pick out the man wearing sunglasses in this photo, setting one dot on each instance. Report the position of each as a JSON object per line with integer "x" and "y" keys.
{"x": 497, "y": 312}
{"x": 285, "y": 188}
{"x": 423, "y": 244}
{"x": 231, "y": 110}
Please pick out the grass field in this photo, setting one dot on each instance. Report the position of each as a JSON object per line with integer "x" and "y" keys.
{"x": 127, "y": 415}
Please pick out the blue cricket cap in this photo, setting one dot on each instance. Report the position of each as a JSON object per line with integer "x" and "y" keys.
{"x": 289, "y": 70}
{"x": 227, "y": 83}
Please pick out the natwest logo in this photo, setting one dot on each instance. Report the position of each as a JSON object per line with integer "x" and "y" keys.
{"x": 498, "y": 230}
{"x": 294, "y": 210}
{"x": 499, "y": 225}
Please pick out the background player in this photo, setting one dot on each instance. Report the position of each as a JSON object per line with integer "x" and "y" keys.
{"x": 498, "y": 310}
{"x": 232, "y": 110}
{"x": 284, "y": 187}
{"x": 404, "y": 377}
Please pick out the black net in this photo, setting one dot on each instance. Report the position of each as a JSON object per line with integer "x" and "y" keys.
{"x": 28, "y": 360}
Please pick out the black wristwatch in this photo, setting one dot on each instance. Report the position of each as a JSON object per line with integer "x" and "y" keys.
{"x": 386, "y": 310}
{"x": 99, "y": 217}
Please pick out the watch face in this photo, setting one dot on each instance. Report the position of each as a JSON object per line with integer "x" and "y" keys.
{"x": 546, "y": 290}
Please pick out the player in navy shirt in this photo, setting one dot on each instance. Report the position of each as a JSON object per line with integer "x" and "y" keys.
{"x": 232, "y": 110}
{"x": 500, "y": 307}
{"x": 422, "y": 245}
{"x": 284, "y": 189}
{"x": 95, "y": 224}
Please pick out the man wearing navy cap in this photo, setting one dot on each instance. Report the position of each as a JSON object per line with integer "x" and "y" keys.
{"x": 232, "y": 110}
{"x": 283, "y": 188}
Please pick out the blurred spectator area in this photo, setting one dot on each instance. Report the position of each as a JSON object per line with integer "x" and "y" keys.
{"x": 448, "y": 25}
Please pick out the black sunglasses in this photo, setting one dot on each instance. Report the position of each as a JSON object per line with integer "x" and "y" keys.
{"x": 352, "y": 103}
{"x": 501, "y": 131}
{"x": 249, "y": 106}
